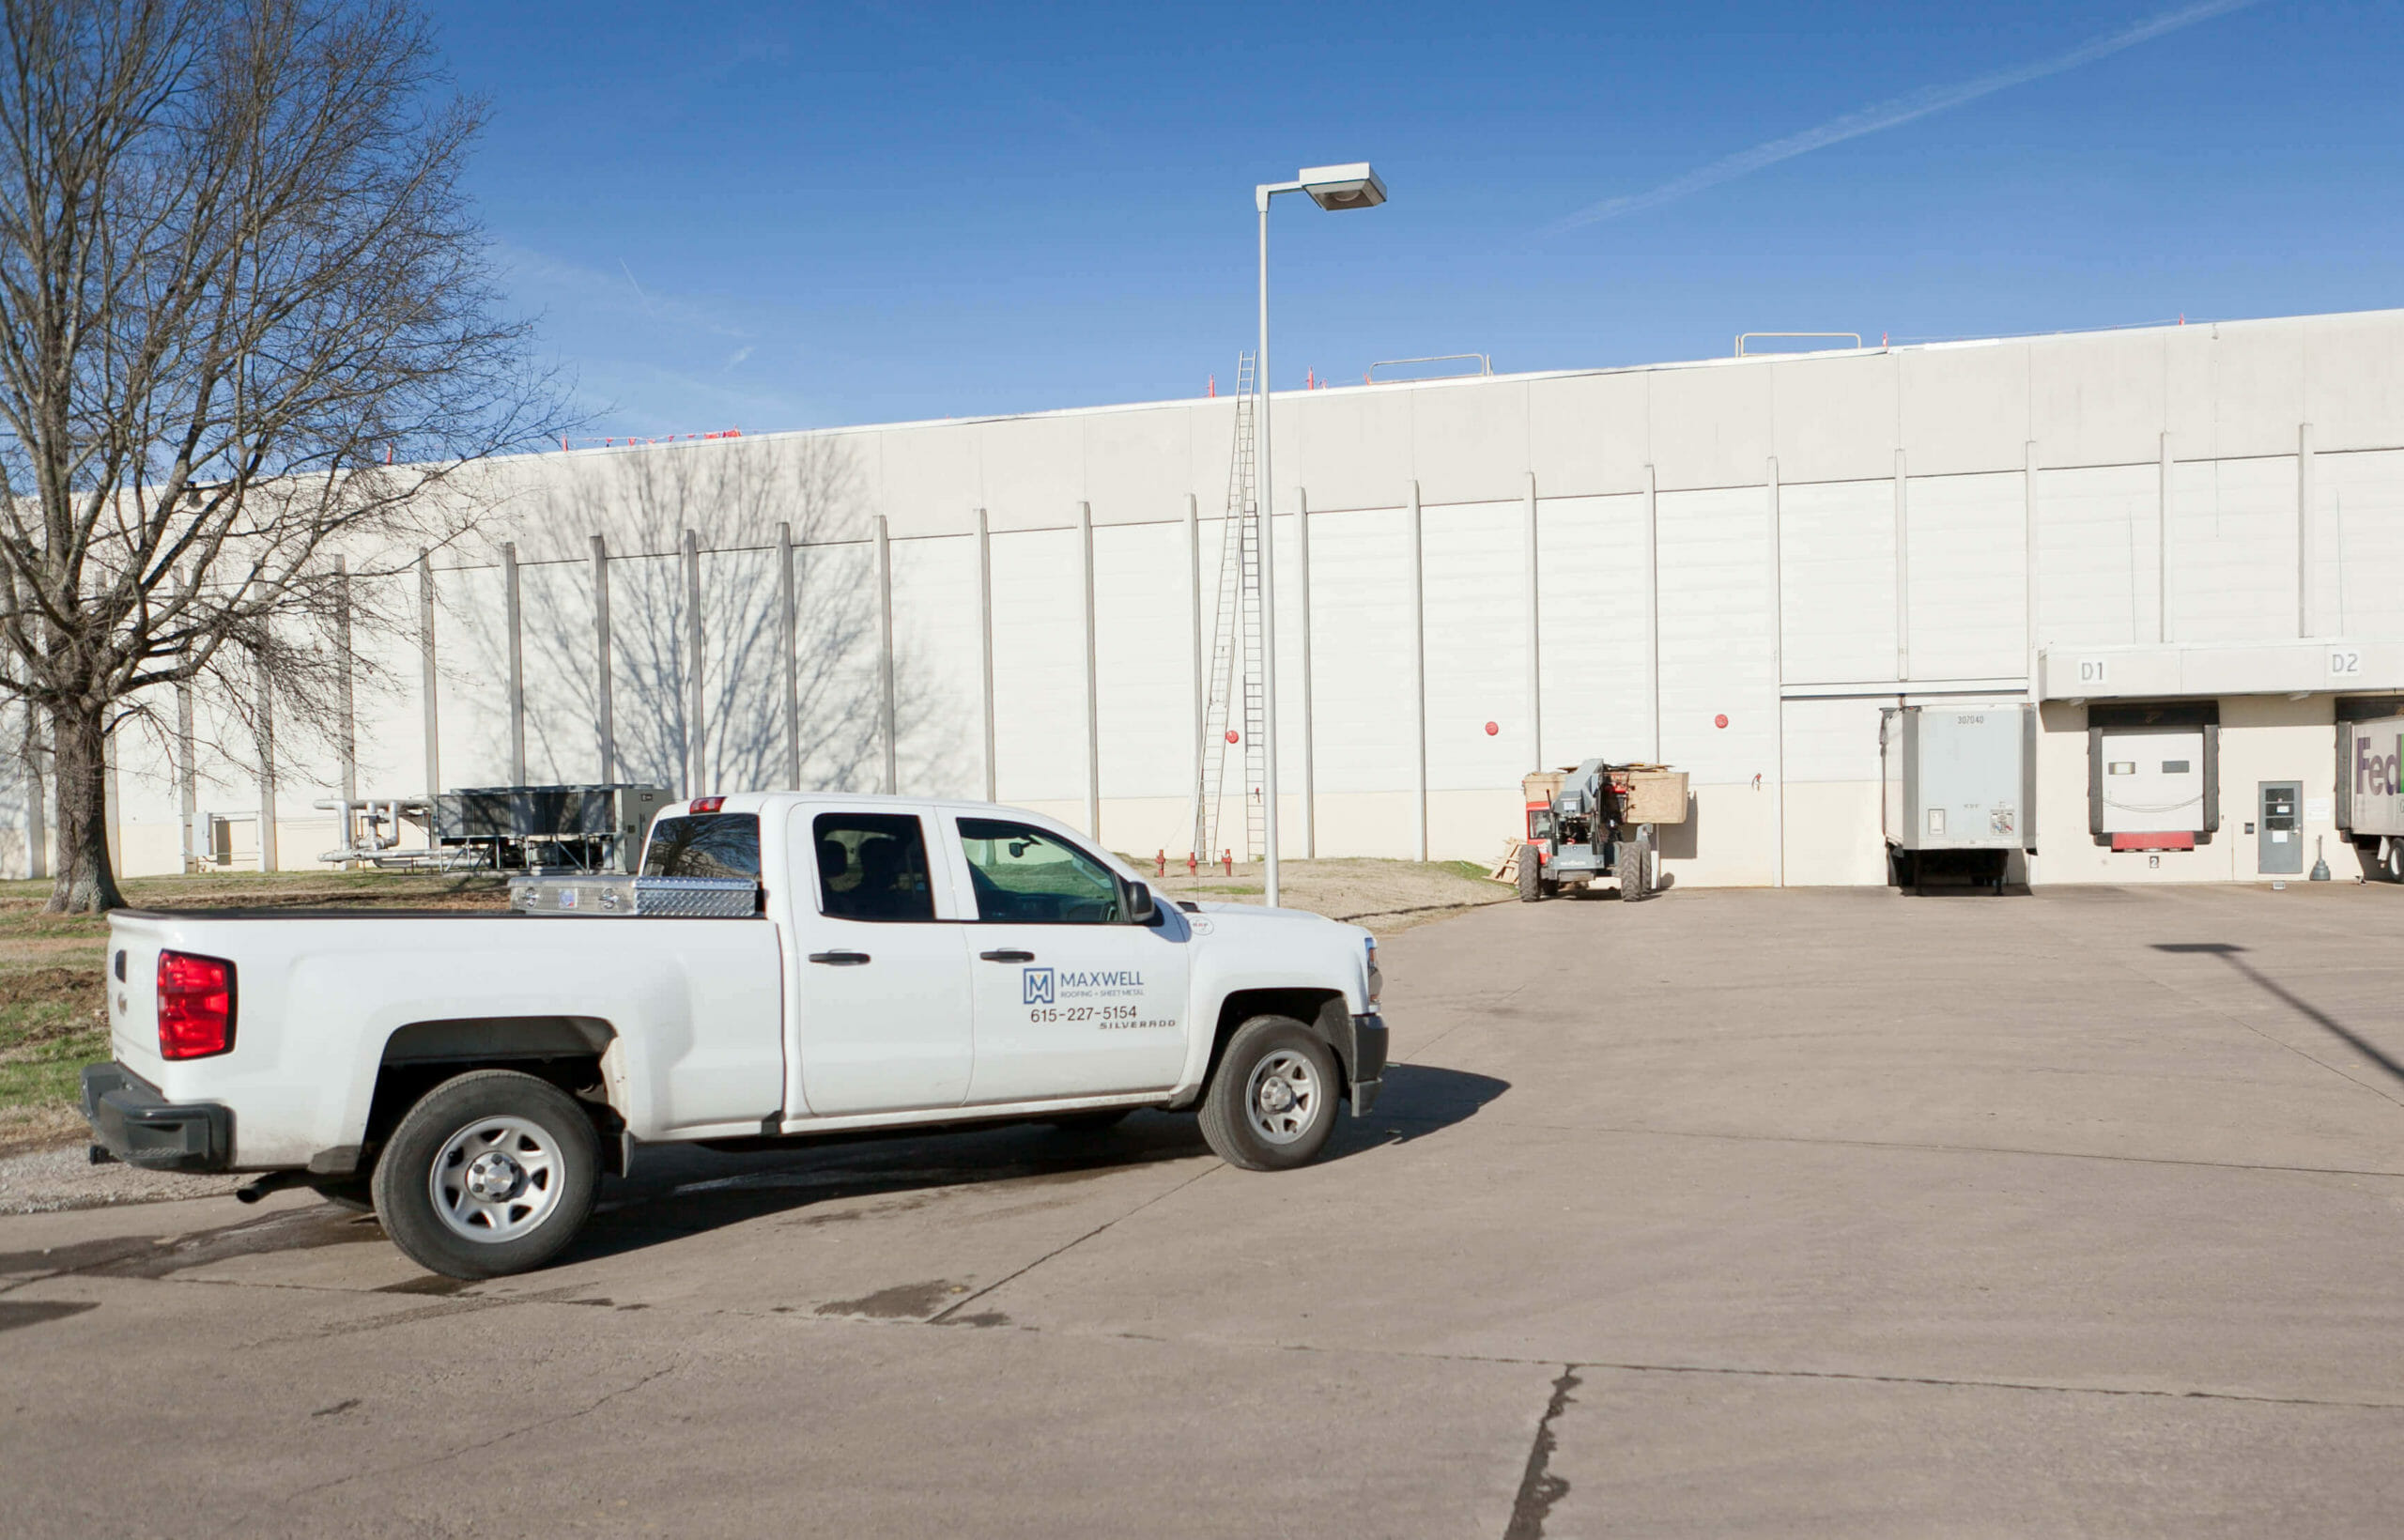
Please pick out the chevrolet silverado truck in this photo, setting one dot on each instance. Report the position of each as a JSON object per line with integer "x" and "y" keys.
{"x": 784, "y": 965}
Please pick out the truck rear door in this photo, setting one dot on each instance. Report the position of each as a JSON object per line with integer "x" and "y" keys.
{"x": 880, "y": 973}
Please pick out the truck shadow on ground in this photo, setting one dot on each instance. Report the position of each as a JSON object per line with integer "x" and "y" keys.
{"x": 678, "y": 1191}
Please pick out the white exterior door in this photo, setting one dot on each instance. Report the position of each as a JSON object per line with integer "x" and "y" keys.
{"x": 880, "y": 978}
{"x": 1070, "y": 999}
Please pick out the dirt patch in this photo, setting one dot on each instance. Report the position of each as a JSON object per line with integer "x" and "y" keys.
{"x": 52, "y": 1128}
{"x": 1383, "y": 895}
{"x": 83, "y": 991}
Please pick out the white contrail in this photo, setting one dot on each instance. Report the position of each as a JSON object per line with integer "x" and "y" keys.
{"x": 1900, "y": 109}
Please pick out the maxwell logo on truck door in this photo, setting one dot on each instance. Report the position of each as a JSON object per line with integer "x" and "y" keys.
{"x": 1043, "y": 987}
{"x": 2375, "y": 775}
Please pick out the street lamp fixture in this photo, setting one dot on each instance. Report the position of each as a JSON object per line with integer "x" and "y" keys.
{"x": 1354, "y": 186}
{"x": 1343, "y": 187}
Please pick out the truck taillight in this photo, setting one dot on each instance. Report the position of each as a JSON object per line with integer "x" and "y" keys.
{"x": 195, "y": 1005}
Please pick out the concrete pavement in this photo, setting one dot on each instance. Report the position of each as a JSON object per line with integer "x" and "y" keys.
{"x": 1814, "y": 1212}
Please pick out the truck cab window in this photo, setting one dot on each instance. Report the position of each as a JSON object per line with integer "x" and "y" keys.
{"x": 872, "y": 865}
{"x": 704, "y": 845}
{"x": 1024, "y": 875}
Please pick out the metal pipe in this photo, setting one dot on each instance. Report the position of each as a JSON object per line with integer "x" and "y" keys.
{"x": 1777, "y": 685}
{"x": 605, "y": 721}
{"x": 2161, "y": 627}
{"x": 425, "y": 660}
{"x": 513, "y": 614}
{"x": 1535, "y": 641}
{"x": 1419, "y": 673}
{"x": 2029, "y": 532}
{"x": 346, "y": 703}
{"x": 1201, "y": 703}
{"x": 2305, "y": 552}
{"x": 1903, "y": 571}
{"x": 789, "y": 654}
{"x": 886, "y": 714}
{"x": 1652, "y": 607}
{"x": 1093, "y": 676}
{"x": 985, "y": 643}
{"x": 695, "y": 726}
{"x": 1265, "y": 496}
{"x": 268, "y": 855}
{"x": 188, "y": 775}
{"x": 1310, "y": 756}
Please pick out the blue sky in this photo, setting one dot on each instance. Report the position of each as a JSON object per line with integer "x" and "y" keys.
{"x": 787, "y": 216}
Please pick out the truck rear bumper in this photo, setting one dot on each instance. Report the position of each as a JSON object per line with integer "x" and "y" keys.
{"x": 1367, "y": 1062}
{"x": 138, "y": 1126}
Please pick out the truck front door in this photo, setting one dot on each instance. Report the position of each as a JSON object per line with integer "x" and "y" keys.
{"x": 1071, "y": 999}
{"x": 880, "y": 981}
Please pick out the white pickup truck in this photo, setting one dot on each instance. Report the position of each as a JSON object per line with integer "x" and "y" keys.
{"x": 886, "y": 963}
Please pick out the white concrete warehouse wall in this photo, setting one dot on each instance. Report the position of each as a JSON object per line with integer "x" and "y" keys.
{"x": 1904, "y": 515}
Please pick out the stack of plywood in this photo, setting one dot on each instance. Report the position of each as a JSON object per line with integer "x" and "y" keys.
{"x": 1655, "y": 794}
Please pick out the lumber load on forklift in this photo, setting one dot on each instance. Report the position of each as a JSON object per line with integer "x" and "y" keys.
{"x": 1591, "y": 822}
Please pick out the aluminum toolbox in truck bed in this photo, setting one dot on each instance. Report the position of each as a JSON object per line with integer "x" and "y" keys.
{"x": 610, "y": 896}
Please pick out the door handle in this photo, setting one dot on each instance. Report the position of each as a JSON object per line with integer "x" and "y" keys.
{"x": 839, "y": 959}
{"x": 1008, "y": 955}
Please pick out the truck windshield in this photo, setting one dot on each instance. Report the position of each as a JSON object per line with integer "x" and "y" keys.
{"x": 706, "y": 845}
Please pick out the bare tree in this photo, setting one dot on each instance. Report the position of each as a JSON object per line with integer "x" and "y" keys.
{"x": 732, "y": 495}
{"x": 250, "y": 324}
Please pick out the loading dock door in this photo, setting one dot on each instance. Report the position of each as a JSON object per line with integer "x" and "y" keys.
{"x": 2281, "y": 848}
{"x": 2153, "y": 781}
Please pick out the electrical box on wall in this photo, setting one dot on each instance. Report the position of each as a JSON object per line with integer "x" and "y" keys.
{"x": 2153, "y": 775}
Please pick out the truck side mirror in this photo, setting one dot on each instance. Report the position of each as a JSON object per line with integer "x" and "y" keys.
{"x": 1141, "y": 910}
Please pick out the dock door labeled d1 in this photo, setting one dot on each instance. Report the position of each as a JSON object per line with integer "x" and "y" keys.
{"x": 2153, "y": 775}
{"x": 1959, "y": 777}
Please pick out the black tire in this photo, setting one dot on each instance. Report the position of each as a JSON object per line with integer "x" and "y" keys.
{"x": 480, "y": 1116}
{"x": 1530, "y": 875}
{"x": 355, "y": 1193}
{"x": 1098, "y": 1121}
{"x": 2392, "y": 865}
{"x": 1271, "y": 1049}
{"x": 1629, "y": 861}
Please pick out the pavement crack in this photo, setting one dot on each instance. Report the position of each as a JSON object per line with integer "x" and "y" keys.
{"x": 1931, "y": 1147}
{"x": 1860, "y": 1376}
{"x": 446, "y": 1456}
{"x": 1539, "y": 1488}
{"x": 966, "y": 1299}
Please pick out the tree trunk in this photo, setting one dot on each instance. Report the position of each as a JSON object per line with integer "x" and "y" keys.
{"x": 86, "y": 881}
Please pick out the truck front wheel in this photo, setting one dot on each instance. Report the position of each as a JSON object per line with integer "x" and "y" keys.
{"x": 1531, "y": 874}
{"x": 1271, "y": 1105}
{"x": 491, "y": 1173}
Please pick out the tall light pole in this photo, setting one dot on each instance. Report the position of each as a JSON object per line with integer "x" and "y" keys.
{"x": 1353, "y": 186}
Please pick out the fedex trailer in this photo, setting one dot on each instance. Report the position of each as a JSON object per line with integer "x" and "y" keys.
{"x": 2370, "y": 792}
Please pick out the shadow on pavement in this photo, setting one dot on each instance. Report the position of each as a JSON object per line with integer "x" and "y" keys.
{"x": 2227, "y": 952}
{"x": 678, "y": 1191}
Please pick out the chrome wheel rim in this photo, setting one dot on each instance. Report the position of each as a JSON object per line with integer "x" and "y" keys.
{"x": 1282, "y": 1097}
{"x": 497, "y": 1179}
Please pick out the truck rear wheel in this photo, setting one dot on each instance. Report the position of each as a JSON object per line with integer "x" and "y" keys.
{"x": 1271, "y": 1105}
{"x": 1531, "y": 874}
{"x": 489, "y": 1174}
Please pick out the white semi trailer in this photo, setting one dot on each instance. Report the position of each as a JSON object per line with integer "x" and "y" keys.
{"x": 2370, "y": 792}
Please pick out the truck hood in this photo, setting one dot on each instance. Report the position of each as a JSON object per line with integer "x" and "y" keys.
{"x": 1225, "y": 917}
